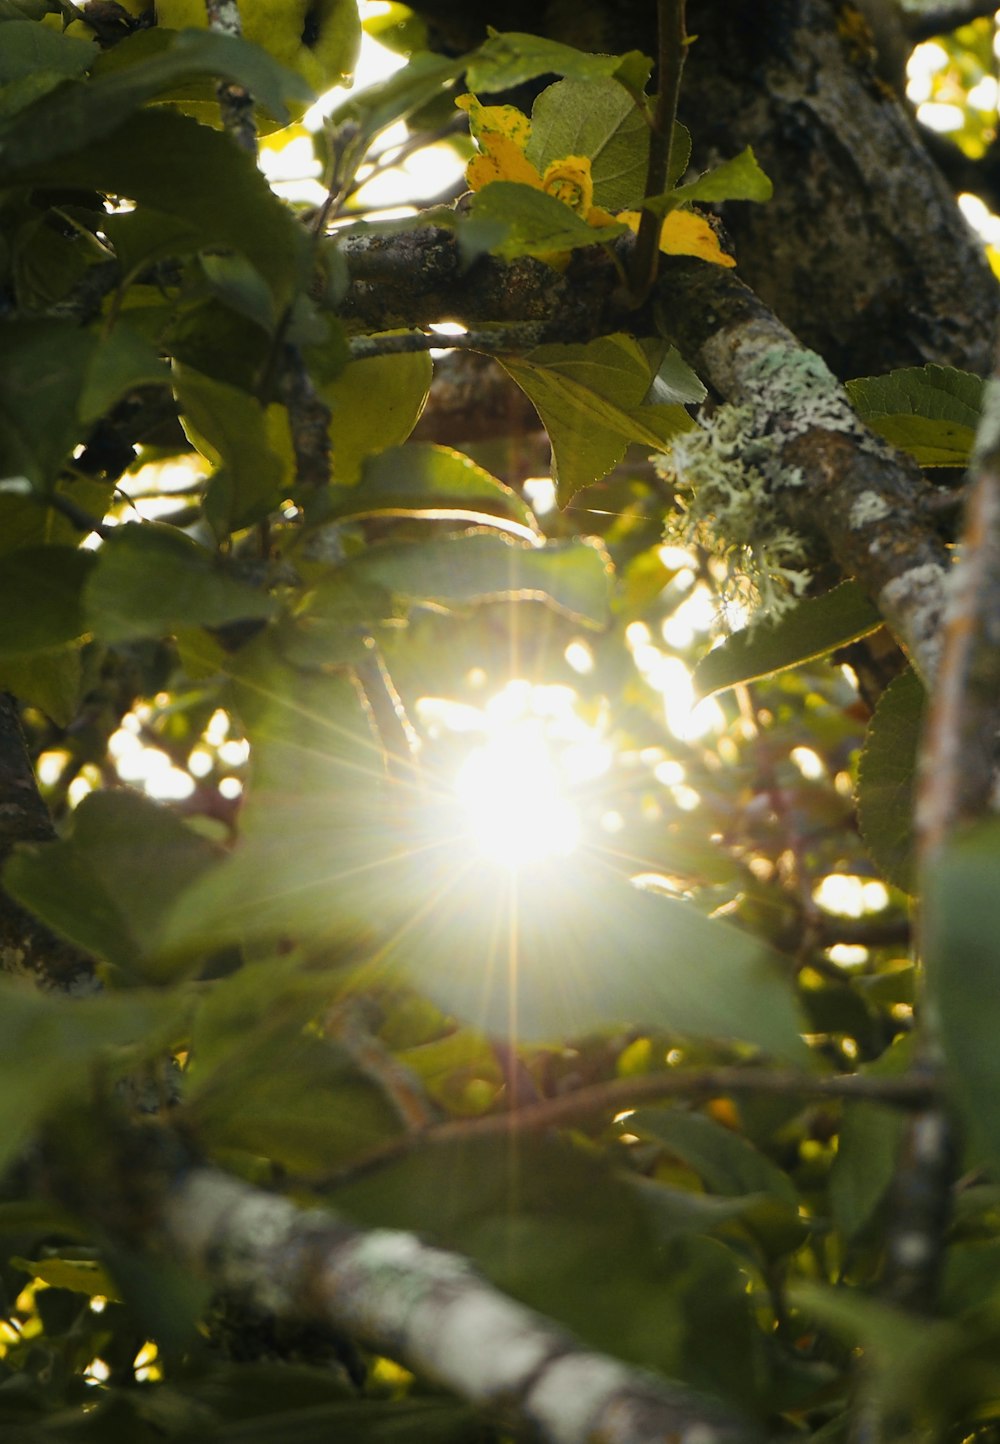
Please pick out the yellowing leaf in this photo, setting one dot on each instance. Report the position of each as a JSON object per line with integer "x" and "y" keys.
{"x": 569, "y": 180}
{"x": 685, "y": 234}
{"x": 505, "y": 120}
{"x": 501, "y": 159}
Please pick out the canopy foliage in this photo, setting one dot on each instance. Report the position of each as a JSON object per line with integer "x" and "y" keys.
{"x": 464, "y": 682}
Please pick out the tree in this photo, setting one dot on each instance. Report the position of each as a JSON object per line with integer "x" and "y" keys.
{"x": 417, "y": 1020}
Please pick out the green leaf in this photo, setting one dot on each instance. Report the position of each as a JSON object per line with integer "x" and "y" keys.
{"x": 423, "y": 79}
{"x": 254, "y": 1103}
{"x": 812, "y": 629}
{"x": 358, "y": 428}
{"x": 914, "y": 1365}
{"x": 123, "y": 360}
{"x": 572, "y": 576}
{"x": 553, "y": 1226}
{"x": 729, "y": 1164}
{"x": 152, "y": 579}
{"x": 229, "y": 427}
{"x": 591, "y": 401}
{"x": 865, "y": 1165}
{"x": 739, "y": 179}
{"x": 930, "y": 411}
{"x": 426, "y": 480}
{"x": 960, "y": 927}
{"x": 596, "y": 118}
{"x": 240, "y": 287}
{"x": 41, "y": 364}
{"x": 887, "y": 778}
{"x": 41, "y": 602}
{"x": 509, "y": 59}
{"x": 49, "y": 1046}
{"x": 509, "y": 219}
{"x": 109, "y": 886}
{"x": 56, "y": 380}
{"x": 931, "y": 443}
{"x": 161, "y": 159}
{"x": 726, "y": 1161}
{"x": 333, "y": 621}
{"x": 591, "y": 952}
{"x": 49, "y": 680}
{"x": 78, "y": 1275}
{"x": 142, "y": 68}
{"x": 674, "y": 382}
{"x": 29, "y": 47}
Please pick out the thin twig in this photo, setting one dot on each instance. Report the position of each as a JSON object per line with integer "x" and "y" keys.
{"x": 672, "y": 43}
{"x": 906, "y": 1092}
{"x": 235, "y": 101}
{"x": 400, "y": 743}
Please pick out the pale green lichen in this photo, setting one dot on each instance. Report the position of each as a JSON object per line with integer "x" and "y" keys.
{"x": 727, "y": 475}
{"x": 798, "y": 390}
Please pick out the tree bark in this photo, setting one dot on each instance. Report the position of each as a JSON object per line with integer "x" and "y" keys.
{"x": 862, "y": 252}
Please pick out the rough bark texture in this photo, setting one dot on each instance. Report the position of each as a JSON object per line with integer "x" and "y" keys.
{"x": 862, "y": 252}
{"x": 430, "y": 1310}
{"x": 836, "y": 481}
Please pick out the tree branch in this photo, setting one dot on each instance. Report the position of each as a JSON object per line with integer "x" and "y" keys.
{"x": 835, "y": 481}
{"x": 907, "y": 1092}
{"x": 430, "y": 1311}
{"x": 235, "y": 101}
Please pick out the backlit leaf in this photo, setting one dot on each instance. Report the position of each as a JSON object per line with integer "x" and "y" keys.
{"x": 572, "y": 576}
{"x": 813, "y": 628}
{"x": 960, "y": 927}
{"x": 151, "y": 579}
{"x": 41, "y": 602}
{"x": 887, "y": 778}
{"x": 425, "y": 480}
{"x": 357, "y": 427}
{"x": 228, "y": 426}
{"x": 591, "y": 400}
{"x": 509, "y": 59}
{"x": 109, "y": 885}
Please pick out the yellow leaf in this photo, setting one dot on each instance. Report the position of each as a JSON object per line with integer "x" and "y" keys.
{"x": 504, "y": 120}
{"x": 501, "y": 159}
{"x": 685, "y": 234}
{"x": 569, "y": 180}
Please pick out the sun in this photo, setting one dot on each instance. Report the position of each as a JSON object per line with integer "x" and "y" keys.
{"x": 514, "y": 799}
{"x": 517, "y": 787}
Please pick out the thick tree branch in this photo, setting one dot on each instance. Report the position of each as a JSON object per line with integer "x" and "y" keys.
{"x": 416, "y": 276}
{"x": 835, "y": 481}
{"x": 838, "y": 485}
{"x": 425, "y": 1308}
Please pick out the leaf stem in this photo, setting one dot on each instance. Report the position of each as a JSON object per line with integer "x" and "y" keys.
{"x": 672, "y": 42}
